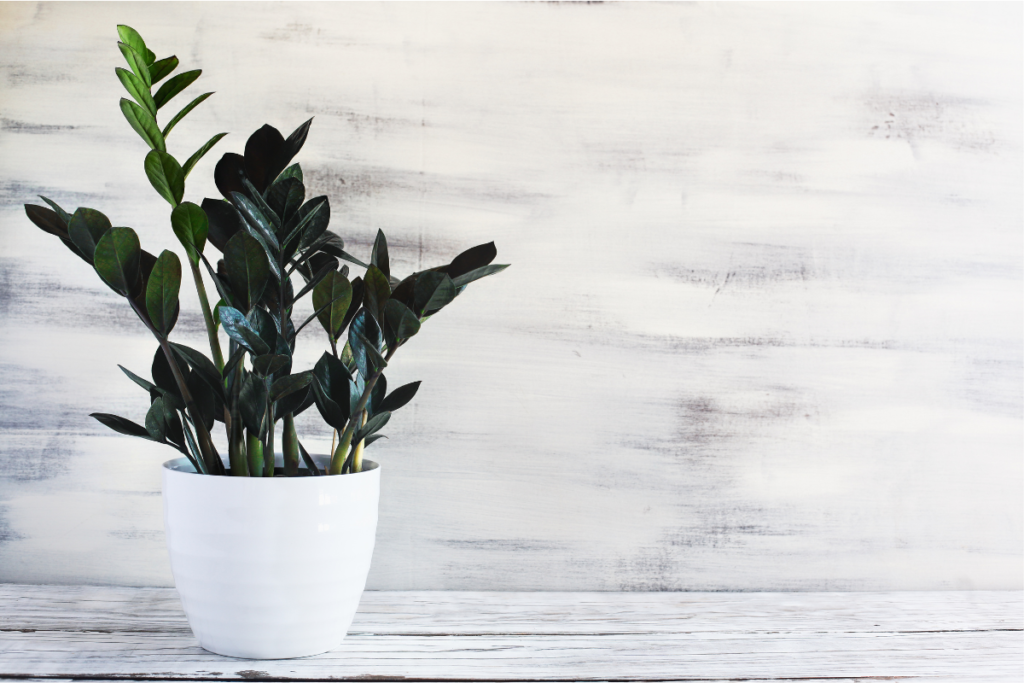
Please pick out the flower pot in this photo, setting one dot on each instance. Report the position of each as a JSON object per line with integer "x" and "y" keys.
{"x": 269, "y": 568}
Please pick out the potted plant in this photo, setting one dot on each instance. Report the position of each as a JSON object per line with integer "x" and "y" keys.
{"x": 269, "y": 551}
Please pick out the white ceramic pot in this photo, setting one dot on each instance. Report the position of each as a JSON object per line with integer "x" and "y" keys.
{"x": 270, "y": 568}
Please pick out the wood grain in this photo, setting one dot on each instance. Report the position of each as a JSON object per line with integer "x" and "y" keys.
{"x": 763, "y": 328}
{"x": 114, "y": 633}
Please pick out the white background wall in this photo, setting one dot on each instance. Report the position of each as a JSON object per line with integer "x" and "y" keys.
{"x": 763, "y": 327}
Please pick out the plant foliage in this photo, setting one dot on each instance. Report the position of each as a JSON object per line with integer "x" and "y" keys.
{"x": 270, "y": 237}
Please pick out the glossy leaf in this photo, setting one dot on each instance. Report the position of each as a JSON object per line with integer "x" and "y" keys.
{"x": 399, "y": 321}
{"x": 163, "y": 376}
{"x": 270, "y": 216}
{"x": 379, "y": 256}
{"x": 376, "y": 291}
{"x": 201, "y": 365}
{"x": 252, "y": 404}
{"x": 296, "y": 140}
{"x": 165, "y": 176}
{"x": 131, "y": 37}
{"x": 145, "y": 384}
{"x": 380, "y": 390}
{"x": 200, "y": 153}
{"x": 399, "y": 397}
{"x": 426, "y": 284}
{"x": 333, "y": 378}
{"x": 331, "y": 298}
{"x": 144, "y": 124}
{"x": 318, "y": 212}
{"x": 159, "y": 69}
{"x": 471, "y": 259}
{"x": 64, "y": 215}
{"x": 137, "y": 62}
{"x": 191, "y": 227}
{"x": 289, "y": 384}
{"x": 137, "y": 89}
{"x": 374, "y": 424}
{"x": 263, "y": 323}
{"x": 285, "y": 197}
{"x": 367, "y": 357}
{"x": 86, "y": 228}
{"x": 122, "y": 425}
{"x": 317, "y": 278}
{"x": 265, "y": 156}
{"x": 330, "y": 411}
{"x": 224, "y": 221}
{"x": 116, "y": 259}
{"x": 162, "y": 292}
{"x": 474, "y": 275}
{"x": 239, "y": 329}
{"x": 256, "y": 218}
{"x": 203, "y": 398}
{"x": 174, "y": 86}
{"x": 184, "y": 112}
{"x": 156, "y": 421}
{"x": 310, "y": 464}
{"x": 441, "y": 297}
{"x": 268, "y": 364}
{"x": 247, "y": 268}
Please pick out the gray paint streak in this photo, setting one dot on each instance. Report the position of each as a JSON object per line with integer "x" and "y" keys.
{"x": 763, "y": 328}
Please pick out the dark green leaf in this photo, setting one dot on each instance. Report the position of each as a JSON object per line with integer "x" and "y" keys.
{"x": 317, "y": 278}
{"x": 318, "y": 211}
{"x": 441, "y": 297}
{"x": 174, "y": 86}
{"x": 285, "y": 197}
{"x": 379, "y": 257}
{"x": 289, "y": 384}
{"x": 191, "y": 226}
{"x": 268, "y": 364}
{"x": 160, "y": 68}
{"x": 86, "y": 228}
{"x": 473, "y": 275}
{"x": 184, "y": 112}
{"x": 399, "y": 321}
{"x": 265, "y": 156}
{"x": 200, "y": 153}
{"x": 330, "y": 411}
{"x": 257, "y": 220}
{"x": 310, "y": 465}
{"x": 131, "y": 37}
{"x": 367, "y": 357}
{"x": 204, "y": 399}
{"x": 399, "y": 397}
{"x": 47, "y": 220}
{"x": 148, "y": 386}
{"x": 269, "y": 214}
{"x": 247, "y": 268}
{"x": 252, "y": 404}
{"x": 380, "y": 389}
{"x": 165, "y": 176}
{"x": 122, "y": 425}
{"x": 471, "y": 259}
{"x": 137, "y": 89}
{"x": 293, "y": 171}
{"x": 376, "y": 291}
{"x": 266, "y": 327}
{"x": 116, "y": 259}
{"x": 370, "y": 439}
{"x": 202, "y": 366}
{"x": 239, "y": 329}
{"x": 144, "y": 124}
{"x": 162, "y": 292}
{"x": 294, "y": 403}
{"x": 220, "y": 282}
{"x": 64, "y": 215}
{"x": 331, "y": 298}
{"x": 333, "y": 378}
{"x": 426, "y": 284}
{"x": 224, "y": 221}
{"x": 163, "y": 376}
{"x": 295, "y": 141}
{"x": 137, "y": 62}
{"x": 156, "y": 421}
{"x": 374, "y": 424}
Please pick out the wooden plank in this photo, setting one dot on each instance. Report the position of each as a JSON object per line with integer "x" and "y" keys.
{"x": 98, "y": 633}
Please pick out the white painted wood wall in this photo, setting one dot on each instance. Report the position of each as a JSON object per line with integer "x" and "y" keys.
{"x": 763, "y": 327}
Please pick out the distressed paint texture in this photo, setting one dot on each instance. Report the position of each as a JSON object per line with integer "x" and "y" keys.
{"x": 763, "y": 330}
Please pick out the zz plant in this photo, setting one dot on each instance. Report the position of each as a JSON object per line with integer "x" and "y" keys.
{"x": 266, "y": 231}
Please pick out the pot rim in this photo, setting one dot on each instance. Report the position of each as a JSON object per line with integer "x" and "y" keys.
{"x": 183, "y": 466}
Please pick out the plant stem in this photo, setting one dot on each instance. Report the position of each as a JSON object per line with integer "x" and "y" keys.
{"x": 290, "y": 446}
{"x": 268, "y": 451}
{"x": 340, "y": 455}
{"x": 236, "y": 450}
{"x": 357, "y": 453}
{"x": 210, "y": 456}
{"x": 211, "y": 326}
{"x": 254, "y": 447}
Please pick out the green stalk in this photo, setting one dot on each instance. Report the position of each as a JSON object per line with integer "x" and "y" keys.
{"x": 341, "y": 453}
{"x": 290, "y": 446}
{"x": 236, "y": 449}
{"x": 268, "y": 459}
{"x": 254, "y": 447}
{"x": 211, "y": 326}
{"x": 357, "y": 453}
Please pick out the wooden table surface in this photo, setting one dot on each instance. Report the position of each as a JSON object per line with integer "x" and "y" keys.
{"x": 104, "y": 633}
